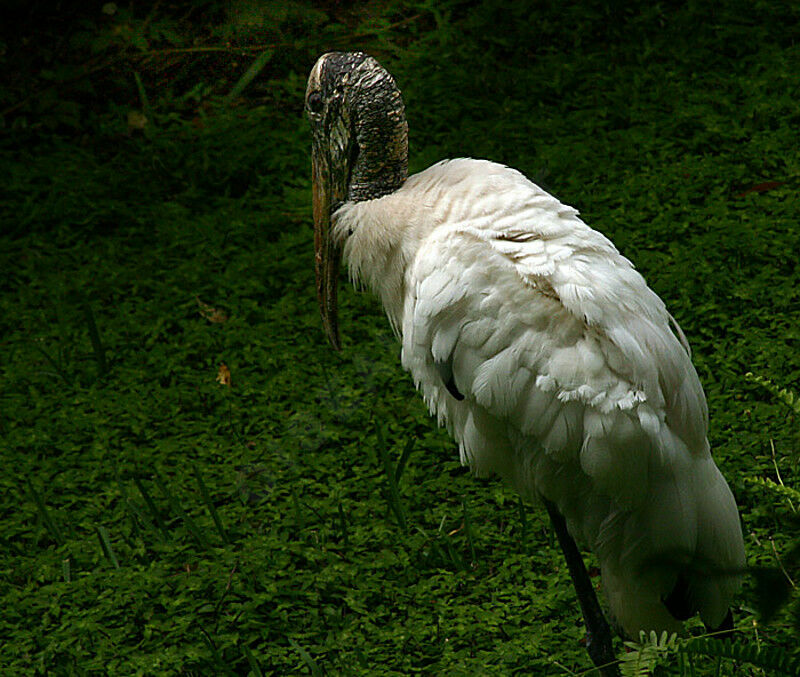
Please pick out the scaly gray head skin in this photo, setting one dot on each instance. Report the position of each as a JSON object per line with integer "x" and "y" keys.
{"x": 359, "y": 151}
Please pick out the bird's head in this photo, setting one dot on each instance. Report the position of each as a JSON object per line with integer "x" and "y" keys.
{"x": 359, "y": 151}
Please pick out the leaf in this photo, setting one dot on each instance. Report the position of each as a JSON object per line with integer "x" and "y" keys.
{"x": 136, "y": 120}
{"x": 212, "y": 314}
{"x": 761, "y": 188}
{"x": 224, "y": 375}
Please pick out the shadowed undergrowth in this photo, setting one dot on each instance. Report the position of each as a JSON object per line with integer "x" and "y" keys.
{"x": 297, "y": 510}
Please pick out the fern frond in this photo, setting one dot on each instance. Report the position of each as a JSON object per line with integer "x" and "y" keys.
{"x": 643, "y": 656}
{"x": 788, "y": 492}
{"x": 788, "y": 397}
{"x": 774, "y": 659}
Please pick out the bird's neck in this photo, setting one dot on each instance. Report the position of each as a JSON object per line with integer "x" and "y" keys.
{"x": 379, "y": 240}
{"x": 378, "y": 173}
{"x": 364, "y": 188}
{"x": 380, "y": 153}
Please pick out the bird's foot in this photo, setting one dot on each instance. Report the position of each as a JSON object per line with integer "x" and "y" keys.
{"x": 601, "y": 650}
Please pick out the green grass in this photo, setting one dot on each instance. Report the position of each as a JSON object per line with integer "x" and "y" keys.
{"x": 310, "y": 518}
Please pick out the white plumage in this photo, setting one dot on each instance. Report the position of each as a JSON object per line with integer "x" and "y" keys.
{"x": 577, "y": 384}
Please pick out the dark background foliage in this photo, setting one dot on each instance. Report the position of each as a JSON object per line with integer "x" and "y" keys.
{"x": 195, "y": 483}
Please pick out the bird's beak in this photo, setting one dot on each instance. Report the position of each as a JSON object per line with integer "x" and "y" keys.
{"x": 326, "y": 251}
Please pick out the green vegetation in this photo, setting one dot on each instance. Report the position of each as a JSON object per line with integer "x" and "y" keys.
{"x": 298, "y": 511}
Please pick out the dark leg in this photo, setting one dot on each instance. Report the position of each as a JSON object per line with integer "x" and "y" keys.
{"x": 598, "y": 632}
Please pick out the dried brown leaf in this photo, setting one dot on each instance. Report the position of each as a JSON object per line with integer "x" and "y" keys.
{"x": 136, "y": 120}
{"x": 224, "y": 375}
{"x": 212, "y": 314}
{"x": 761, "y": 188}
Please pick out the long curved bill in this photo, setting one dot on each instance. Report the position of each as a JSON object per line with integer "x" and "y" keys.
{"x": 326, "y": 252}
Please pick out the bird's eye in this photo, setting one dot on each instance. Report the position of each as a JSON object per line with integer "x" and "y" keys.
{"x": 315, "y": 104}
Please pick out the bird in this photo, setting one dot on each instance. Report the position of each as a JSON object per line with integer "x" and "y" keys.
{"x": 539, "y": 347}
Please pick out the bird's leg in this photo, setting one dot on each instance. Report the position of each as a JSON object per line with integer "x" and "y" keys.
{"x": 725, "y": 629}
{"x": 598, "y": 632}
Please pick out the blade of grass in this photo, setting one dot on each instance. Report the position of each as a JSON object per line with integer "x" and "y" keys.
{"x": 207, "y": 500}
{"x": 453, "y": 556}
{"x": 401, "y": 464}
{"x": 66, "y": 570}
{"x": 49, "y": 523}
{"x": 362, "y": 659}
{"x": 105, "y": 545}
{"x": 393, "y": 493}
{"x": 298, "y": 514}
{"x": 255, "y": 668}
{"x": 138, "y": 517}
{"x": 311, "y": 664}
{"x": 343, "y": 524}
{"x": 146, "y": 108}
{"x": 151, "y": 506}
{"x": 223, "y": 597}
{"x": 94, "y": 337}
{"x": 63, "y": 328}
{"x": 452, "y": 553}
{"x": 440, "y": 555}
{"x": 468, "y": 529}
{"x": 63, "y": 374}
{"x": 177, "y": 508}
{"x": 221, "y": 666}
{"x": 255, "y": 68}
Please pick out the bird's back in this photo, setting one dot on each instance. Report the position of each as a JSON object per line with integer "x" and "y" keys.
{"x": 555, "y": 366}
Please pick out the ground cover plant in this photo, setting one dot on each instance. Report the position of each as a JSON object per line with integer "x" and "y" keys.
{"x": 195, "y": 484}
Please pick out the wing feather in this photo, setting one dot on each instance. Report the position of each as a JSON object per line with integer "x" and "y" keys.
{"x": 548, "y": 328}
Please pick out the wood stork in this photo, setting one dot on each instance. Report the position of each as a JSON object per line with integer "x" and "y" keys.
{"x": 539, "y": 346}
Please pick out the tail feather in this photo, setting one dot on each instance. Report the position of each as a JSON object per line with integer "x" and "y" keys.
{"x": 689, "y": 561}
